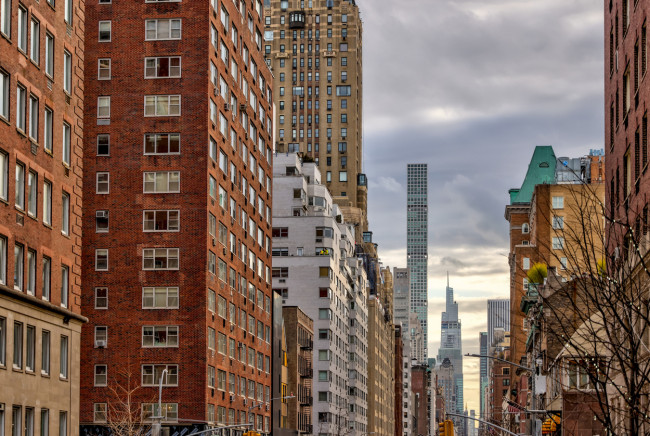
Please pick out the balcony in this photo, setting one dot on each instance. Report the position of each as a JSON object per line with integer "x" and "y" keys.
{"x": 307, "y": 345}
{"x": 297, "y": 20}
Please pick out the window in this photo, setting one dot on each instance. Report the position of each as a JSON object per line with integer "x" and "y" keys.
{"x": 67, "y": 69}
{"x": 104, "y": 69}
{"x": 104, "y": 107}
{"x": 101, "y": 298}
{"x": 558, "y": 202}
{"x": 100, "y": 375}
{"x": 558, "y": 243}
{"x": 48, "y": 117}
{"x": 32, "y": 193}
{"x": 104, "y": 31}
{"x": 35, "y": 46}
{"x": 22, "y": 29}
{"x": 160, "y": 259}
{"x": 65, "y": 146}
{"x": 162, "y": 105}
{"x": 343, "y": 176}
{"x": 3, "y": 343}
{"x": 45, "y": 422}
{"x": 103, "y": 145}
{"x": 558, "y": 222}
{"x": 160, "y": 67}
{"x": 160, "y": 336}
{"x": 160, "y": 298}
{"x": 169, "y": 411}
{"x": 162, "y": 29}
{"x": 30, "y": 348}
{"x": 161, "y": 220}
{"x": 63, "y": 416}
{"x": 21, "y": 96}
{"x": 46, "y": 277}
{"x": 4, "y": 93}
{"x": 525, "y": 228}
{"x": 65, "y": 213}
{"x": 323, "y": 355}
{"x": 49, "y": 55}
{"x": 162, "y": 143}
{"x": 101, "y": 259}
{"x": 103, "y": 183}
{"x": 33, "y": 118}
{"x": 151, "y": 375}
{"x": 29, "y": 421}
{"x": 31, "y": 272}
{"x": 20, "y": 186}
{"x": 101, "y": 336}
{"x": 18, "y": 266}
{"x": 5, "y": 17}
{"x": 99, "y": 412}
{"x": 563, "y": 262}
{"x": 65, "y": 279}
{"x": 162, "y": 181}
{"x": 17, "y": 420}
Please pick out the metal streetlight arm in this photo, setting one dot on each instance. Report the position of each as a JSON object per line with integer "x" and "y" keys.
{"x": 525, "y": 368}
{"x": 483, "y": 422}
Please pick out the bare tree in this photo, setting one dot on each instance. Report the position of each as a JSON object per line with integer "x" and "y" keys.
{"x": 593, "y": 315}
{"x": 125, "y": 415}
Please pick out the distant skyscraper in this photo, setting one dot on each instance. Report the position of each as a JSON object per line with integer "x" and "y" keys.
{"x": 483, "y": 342}
{"x": 416, "y": 244}
{"x": 451, "y": 348}
{"x": 498, "y": 313}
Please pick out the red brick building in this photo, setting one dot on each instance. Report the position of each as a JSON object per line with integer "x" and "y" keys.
{"x": 419, "y": 384}
{"x": 177, "y": 214}
{"x": 41, "y": 101}
{"x": 399, "y": 380}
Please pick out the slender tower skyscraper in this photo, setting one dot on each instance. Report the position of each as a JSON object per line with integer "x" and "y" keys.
{"x": 417, "y": 235}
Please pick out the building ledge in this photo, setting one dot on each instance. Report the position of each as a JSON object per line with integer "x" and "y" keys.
{"x": 42, "y": 304}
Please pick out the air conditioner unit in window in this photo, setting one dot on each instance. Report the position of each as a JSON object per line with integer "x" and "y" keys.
{"x": 215, "y": 91}
{"x": 100, "y": 344}
{"x": 226, "y": 107}
{"x": 101, "y": 214}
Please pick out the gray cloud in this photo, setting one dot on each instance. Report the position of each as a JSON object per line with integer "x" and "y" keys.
{"x": 470, "y": 87}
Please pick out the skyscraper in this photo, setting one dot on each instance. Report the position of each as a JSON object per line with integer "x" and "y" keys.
{"x": 314, "y": 48}
{"x": 498, "y": 316}
{"x": 177, "y": 225}
{"x": 416, "y": 245}
{"x": 451, "y": 348}
{"x": 483, "y": 373}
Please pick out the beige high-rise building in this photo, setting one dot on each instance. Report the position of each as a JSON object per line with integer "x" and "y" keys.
{"x": 314, "y": 50}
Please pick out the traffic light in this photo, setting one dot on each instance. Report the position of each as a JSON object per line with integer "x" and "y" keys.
{"x": 441, "y": 429}
{"x": 446, "y": 428}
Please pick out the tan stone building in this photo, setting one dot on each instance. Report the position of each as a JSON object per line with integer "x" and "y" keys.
{"x": 299, "y": 331}
{"x": 381, "y": 363}
{"x": 314, "y": 48}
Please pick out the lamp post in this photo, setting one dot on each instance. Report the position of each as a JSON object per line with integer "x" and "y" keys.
{"x": 157, "y": 420}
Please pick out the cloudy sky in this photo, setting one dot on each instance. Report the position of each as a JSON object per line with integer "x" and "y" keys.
{"x": 470, "y": 87}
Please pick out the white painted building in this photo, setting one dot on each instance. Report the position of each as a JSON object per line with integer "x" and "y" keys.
{"x": 314, "y": 268}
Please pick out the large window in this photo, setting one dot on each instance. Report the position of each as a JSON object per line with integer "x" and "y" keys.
{"x": 169, "y": 411}
{"x": 162, "y": 143}
{"x": 160, "y": 67}
{"x": 163, "y": 29}
{"x": 162, "y": 181}
{"x": 160, "y": 258}
{"x": 162, "y": 105}
{"x": 558, "y": 202}
{"x": 104, "y": 31}
{"x": 160, "y": 298}
{"x": 161, "y": 221}
{"x": 151, "y": 375}
{"x": 160, "y": 336}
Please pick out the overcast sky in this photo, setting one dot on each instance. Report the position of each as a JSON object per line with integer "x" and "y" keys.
{"x": 470, "y": 87}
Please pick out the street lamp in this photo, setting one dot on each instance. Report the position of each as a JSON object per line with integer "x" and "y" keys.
{"x": 155, "y": 427}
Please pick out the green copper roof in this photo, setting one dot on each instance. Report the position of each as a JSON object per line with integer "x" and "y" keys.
{"x": 541, "y": 170}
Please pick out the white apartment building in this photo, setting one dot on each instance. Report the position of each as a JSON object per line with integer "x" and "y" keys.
{"x": 401, "y": 311}
{"x": 315, "y": 268}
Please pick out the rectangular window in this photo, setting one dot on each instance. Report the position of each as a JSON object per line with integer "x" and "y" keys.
{"x": 162, "y": 182}
{"x": 65, "y": 146}
{"x": 101, "y": 374}
{"x": 99, "y": 412}
{"x": 33, "y": 118}
{"x": 35, "y": 46}
{"x": 101, "y": 259}
{"x": 558, "y": 243}
{"x": 30, "y": 348}
{"x": 160, "y": 336}
{"x": 16, "y": 421}
{"x": 558, "y": 202}
{"x": 4, "y": 175}
{"x": 104, "y": 31}
{"x": 103, "y": 144}
{"x": 46, "y": 278}
{"x": 5, "y": 17}
{"x": 65, "y": 213}
{"x": 169, "y": 411}
{"x": 162, "y": 105}
{"x": 162, "y": 29}
{"x": 558, "y": 222}
{"x": 162, "y": 143}
{"x": 104, "y": 69}
{"x": 31, "y": 272}
{"x": 29, "y": 421}
{"x": 45, "y": 352}
{"x": 22, "y": 29}
{"x": 48, "y": 118}
{"x": 45, "y": 422}
{"x": 65, "y": 280}
{"x": 160, "y": 298}
{"x": 151, "y": 375}
{"x": 32, "y": 193}
{"x": 103, "y": 183}
{"x": 161, "y": 220}
{"x": 101, "y": 298}
{"x": 160, "y": 259}
{"x": 49, "y": 55}
{"x": 18, "y": 345}
{"x": 160, "y": 67}
{"x": 4, "y": 92}
{"x": 3, "y": 342}
{"x": 21, "y": 102}
{"x": 104, "y": 107}
{"x": 67, "y": 69}
{"x": 19, "y": 256}
{"x": 67, "y": 15}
